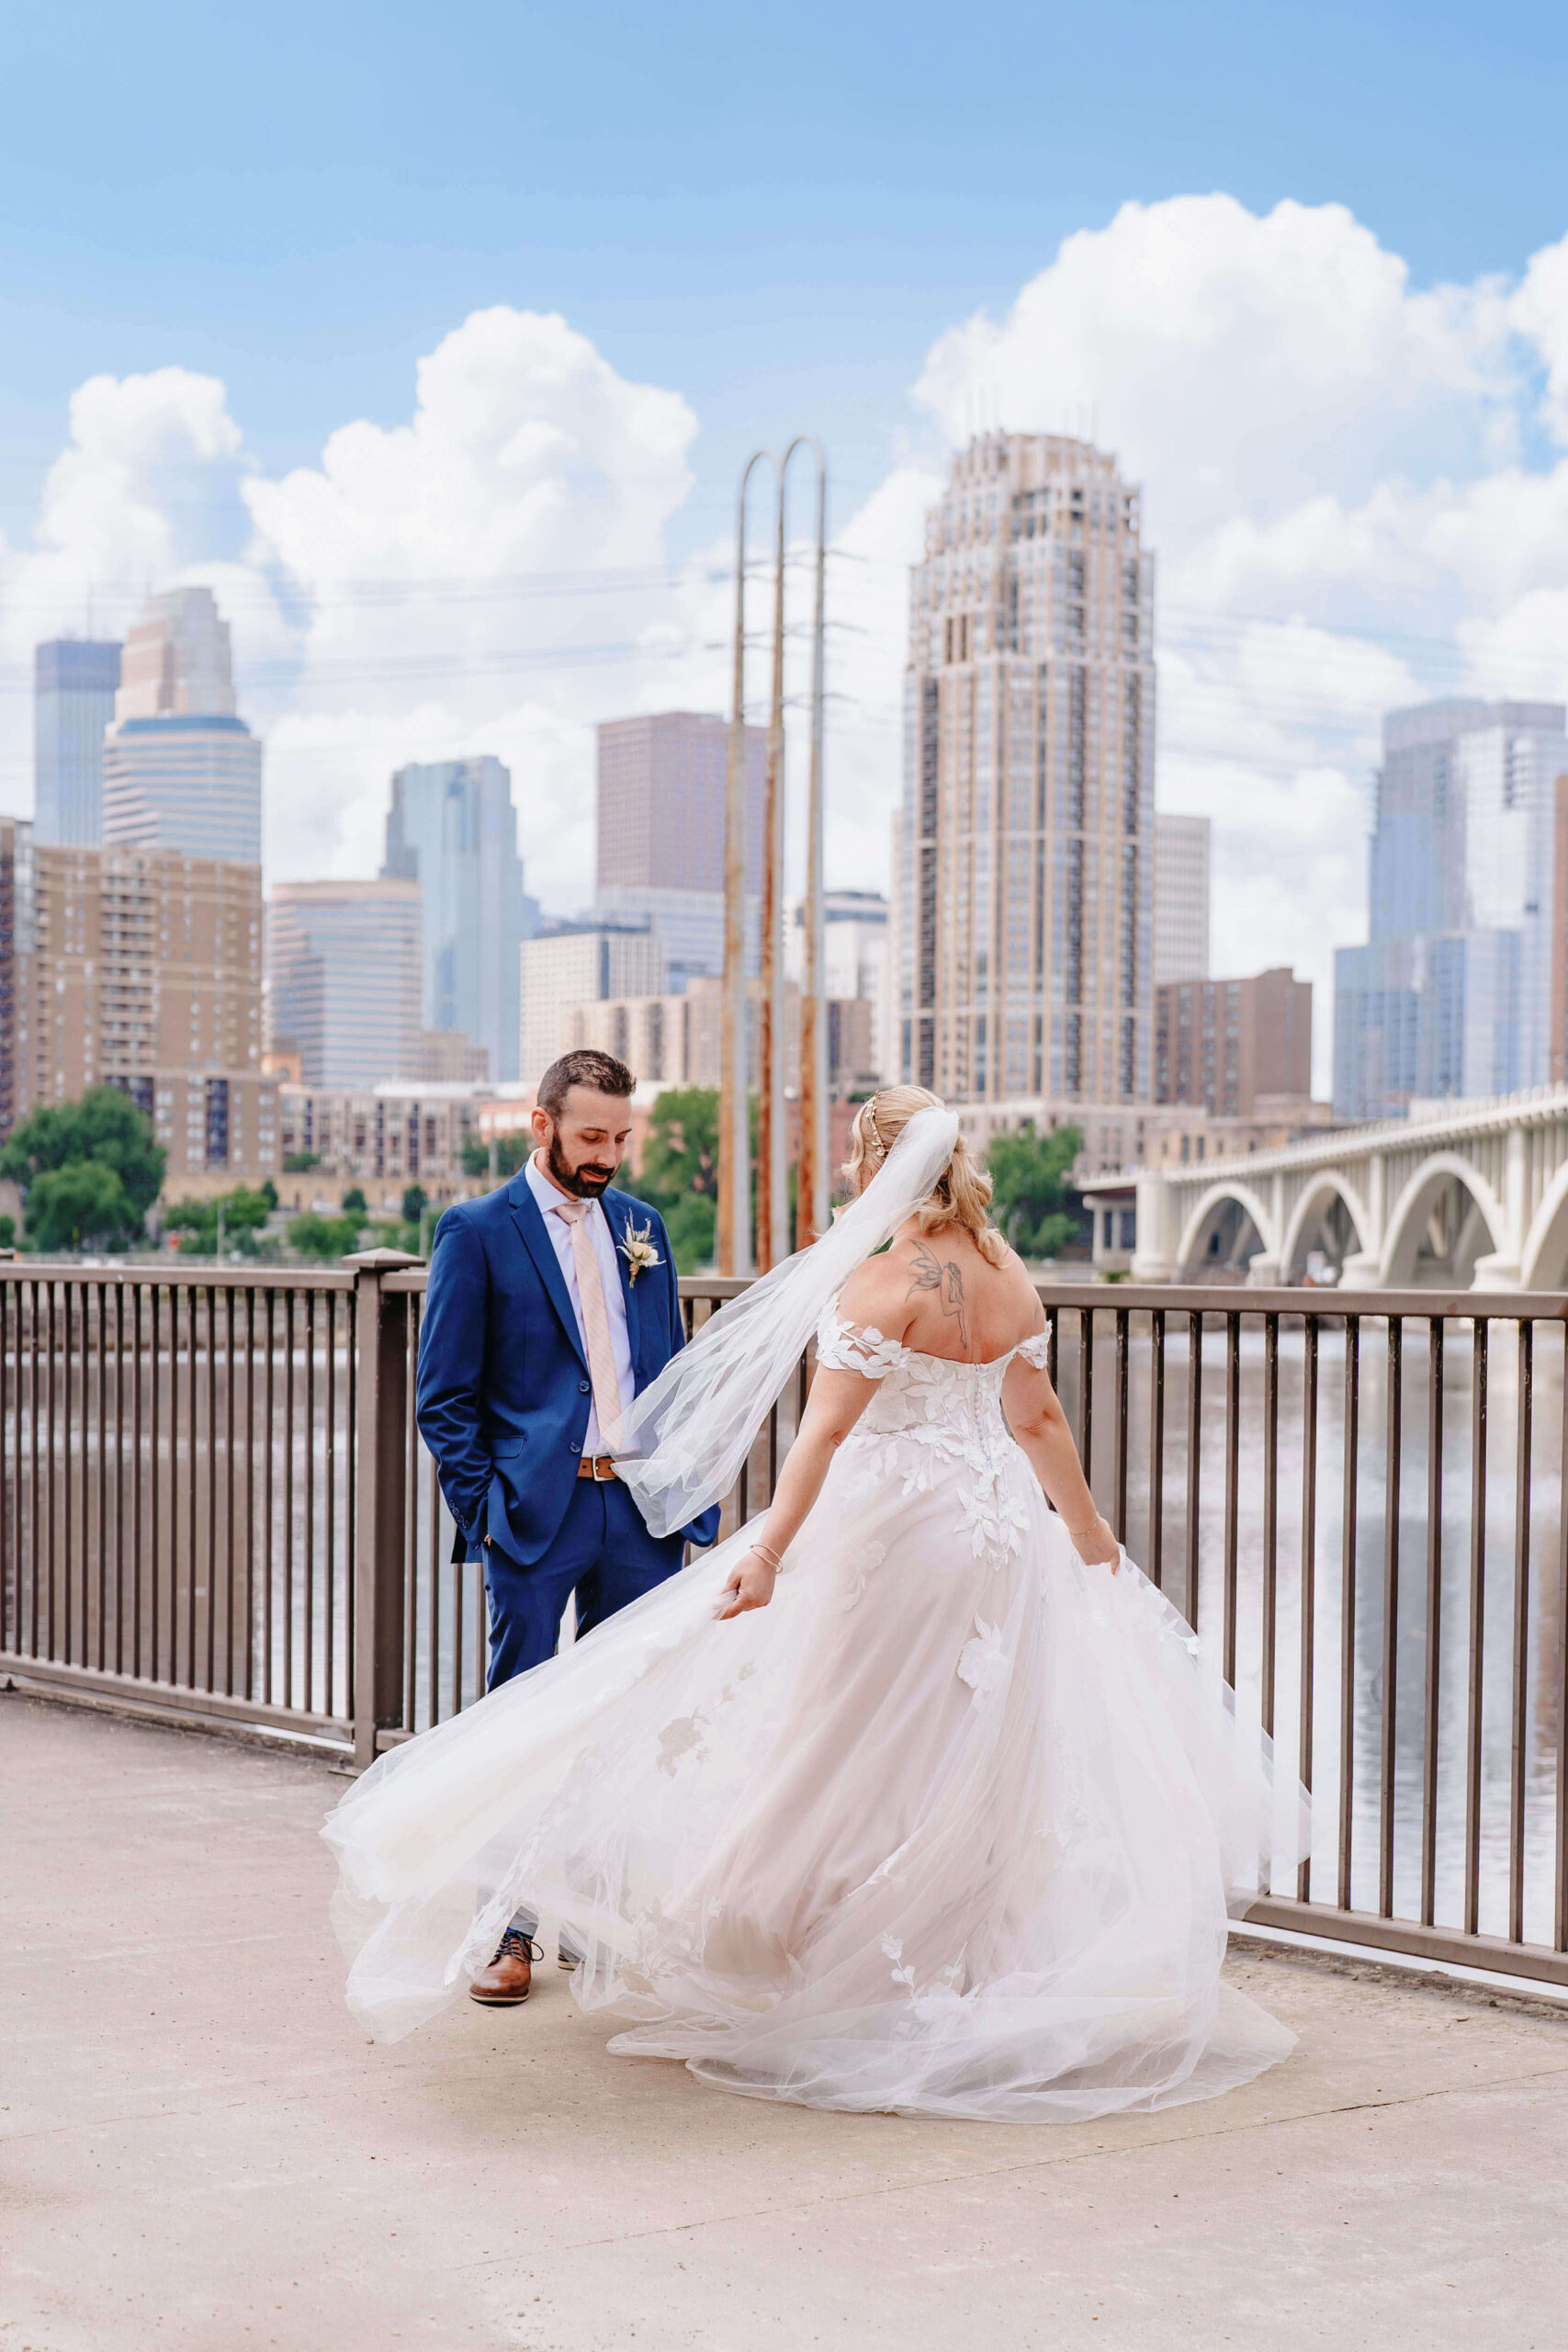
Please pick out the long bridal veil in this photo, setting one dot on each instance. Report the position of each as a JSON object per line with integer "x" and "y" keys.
{"x": 681, "y": 1444}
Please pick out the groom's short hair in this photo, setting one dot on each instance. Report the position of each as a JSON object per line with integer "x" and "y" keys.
{"x": 587, "y": 1067}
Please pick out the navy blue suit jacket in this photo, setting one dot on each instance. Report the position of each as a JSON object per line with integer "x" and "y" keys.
{"x": 503, "y": 1393}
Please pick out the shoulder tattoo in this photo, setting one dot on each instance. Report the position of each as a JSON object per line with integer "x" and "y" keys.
{"x": 946, "y": 1281}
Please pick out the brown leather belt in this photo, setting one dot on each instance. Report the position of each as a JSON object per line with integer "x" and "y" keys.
{"x": 600, "y": 1467}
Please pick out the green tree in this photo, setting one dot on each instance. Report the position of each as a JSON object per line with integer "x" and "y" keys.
{"x": 416, "y": 1200}
{"x": 678, "y": 1173}
{"x": 245, "y": 1216}
{"x": 354, "y": 1201}
{"x": 311, "y": 1236}
{"x": 510, "y": 1150}
{"x": 1030, "y": 1173}
{"x": 691, "y": 1221}
{"x": 104, "y": 1128}
{"x": 300, "y": 1163}
{"x": 83, "y": 1202}
{"x": 7, "y": 1232}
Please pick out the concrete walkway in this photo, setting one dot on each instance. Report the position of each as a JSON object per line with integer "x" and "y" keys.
{"x": 202, "y": 2150}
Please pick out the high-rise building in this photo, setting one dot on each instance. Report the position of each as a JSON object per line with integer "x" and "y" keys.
{"x": 1182, "y": 898}
{"x": 1453, "y": 992}
{"x": 579, "y": 963}
{"x": 660, "y": 821}
{"x": 1224, "y": 1043}
{"x": 855, "y": 958}
{"x": 453, "y": 829}
{"x": 344, "y": 979}
{"x": 1557, "y": 1019}
{"x": 75, "y": 683}
{"x": 141, "y": 969}
{"x": 1023, "y": 872}
{"x": 181, "y": 770}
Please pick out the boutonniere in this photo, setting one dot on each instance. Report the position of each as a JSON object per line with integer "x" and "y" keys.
{"x": 636, "y": 1248}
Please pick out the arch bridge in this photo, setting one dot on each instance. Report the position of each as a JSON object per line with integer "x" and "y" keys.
{"x": 1473, "y": 1196}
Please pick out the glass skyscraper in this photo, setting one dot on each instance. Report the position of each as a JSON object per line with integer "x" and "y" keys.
{"x": 75, "y": 683}
{"x": 181, "y": 771}
{"x": 342, "y": 978}
{"x": 1451, "y": 995}
{"x": 453, "y": 829}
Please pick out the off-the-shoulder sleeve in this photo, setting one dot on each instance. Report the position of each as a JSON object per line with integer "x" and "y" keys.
{"x": 1036, "y": 1351}
{"x": 846, "y": 1347}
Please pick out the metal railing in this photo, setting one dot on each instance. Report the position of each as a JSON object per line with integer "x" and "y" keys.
{"x": 213, "y": 1502}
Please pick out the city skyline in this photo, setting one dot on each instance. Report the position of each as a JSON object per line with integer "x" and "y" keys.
{"x": 1303, "y": 594}
{"x": 457, "y": 451}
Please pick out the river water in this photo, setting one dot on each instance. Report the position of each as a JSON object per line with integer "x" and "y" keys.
{"x": 1523, "y": 1580}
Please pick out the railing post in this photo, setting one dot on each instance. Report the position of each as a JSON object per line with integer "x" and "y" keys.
{"x": 381, "y": 1487}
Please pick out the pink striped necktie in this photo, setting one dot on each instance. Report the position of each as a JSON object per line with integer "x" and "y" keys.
{"x": 595, "y": 1316}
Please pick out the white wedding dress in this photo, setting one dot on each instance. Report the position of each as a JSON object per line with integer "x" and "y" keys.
{"x": 950, "y": 1828}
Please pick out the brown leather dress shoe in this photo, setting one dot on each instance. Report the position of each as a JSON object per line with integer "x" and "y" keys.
{"x": 509, "y": 1978}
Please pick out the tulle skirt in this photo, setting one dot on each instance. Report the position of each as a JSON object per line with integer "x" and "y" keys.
{"x": 953, "y": 1827}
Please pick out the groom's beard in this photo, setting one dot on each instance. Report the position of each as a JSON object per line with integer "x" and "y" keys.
{"x": 587, "y": 1181}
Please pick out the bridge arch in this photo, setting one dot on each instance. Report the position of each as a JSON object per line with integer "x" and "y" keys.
{"x": 1544, "y": 1264}
{"x": 1311, "y": 1214}
{"x": 1218, "y": 1226}
{"x": 1428, "y": 1200}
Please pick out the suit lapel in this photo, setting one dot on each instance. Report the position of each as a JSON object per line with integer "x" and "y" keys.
{"x": 617, "y": 1208}
{"x": 530, "y": 1224}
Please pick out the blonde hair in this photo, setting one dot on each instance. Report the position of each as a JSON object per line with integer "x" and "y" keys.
{"x": 961, "y": 1191}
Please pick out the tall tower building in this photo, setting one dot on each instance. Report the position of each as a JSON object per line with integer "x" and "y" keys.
{"x": 453, "y": 829}
{"x": 75, "y": 683}
{"x": 661, "y": 818}
{"x": 181, "y": 770}
{"x": 343, "y": 979}
{"x": 1182, "y": 898}
{"x": 1453, "y": 992}
{"x": 1023, "y": 849}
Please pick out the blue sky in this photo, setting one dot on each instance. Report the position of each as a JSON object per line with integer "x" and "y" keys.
{"x": 775, "y": 210}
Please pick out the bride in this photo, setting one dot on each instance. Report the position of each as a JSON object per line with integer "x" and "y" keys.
{"x": 915, "y": 1796}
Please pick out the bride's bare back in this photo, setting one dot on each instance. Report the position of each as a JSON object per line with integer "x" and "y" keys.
{"x": 939, "y": 1294}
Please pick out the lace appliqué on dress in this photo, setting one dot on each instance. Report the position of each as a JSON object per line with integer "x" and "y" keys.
{"x": 933, "y": 1417}
{"x": 845, "y": 1346}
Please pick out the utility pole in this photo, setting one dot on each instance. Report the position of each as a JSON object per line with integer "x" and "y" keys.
{"x": 812, "y": 1184}
{"x": 734, "y": 1249}
{"x": 772, "y": 1179}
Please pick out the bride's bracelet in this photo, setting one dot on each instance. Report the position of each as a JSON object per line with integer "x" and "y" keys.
{"x": 1077, "y": 1534}
{"x": 763, "y": 1553}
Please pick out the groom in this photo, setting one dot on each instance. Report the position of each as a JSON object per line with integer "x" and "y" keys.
{"x": 552, "y": 1303}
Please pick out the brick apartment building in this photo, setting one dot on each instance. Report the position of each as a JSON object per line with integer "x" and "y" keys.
{"x": 1220, "y": 1045}
{"x": 139, "y": 969}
